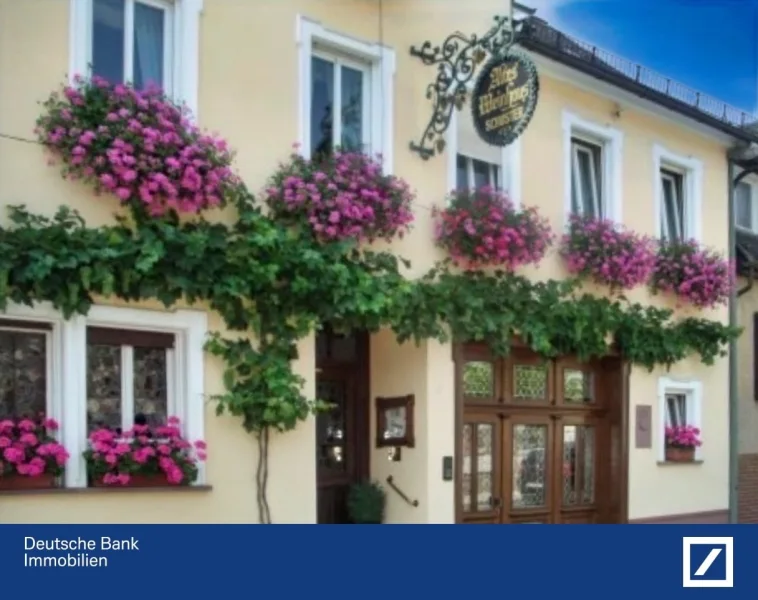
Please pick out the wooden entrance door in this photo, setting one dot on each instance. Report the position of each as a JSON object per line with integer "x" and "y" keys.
{"x": 536, "y": 439}
{"x": 342, "y": 451}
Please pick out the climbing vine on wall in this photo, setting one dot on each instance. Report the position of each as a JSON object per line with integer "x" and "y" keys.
{"x": 277, "y": 283}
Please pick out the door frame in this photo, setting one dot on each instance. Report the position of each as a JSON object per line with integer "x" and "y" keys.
{"x": 618, "y": 415}
{"x": 361, "y": 420}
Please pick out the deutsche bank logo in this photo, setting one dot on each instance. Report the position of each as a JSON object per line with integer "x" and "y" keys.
{"x": 708, "y": 562}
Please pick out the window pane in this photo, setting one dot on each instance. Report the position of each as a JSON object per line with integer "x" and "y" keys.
{"x": 673, "y": 205}
{"x": 108, "y": 39}
{"x": 322, "y": 106}
{"x": 23, "y": 373}
{"x": 150, "y": 385}
{"x": 585, "y": 182}
{"x": 352, "y": 109}
{"x": 103, "y": 386}
{"x": 496, "y": 177}
{"x": 676, "y": 410}
{"x": 481, "y": 174}
{"x": 461, "y": 173}
{"x": 148, "y": 45}
{"x": 743, "y": 205}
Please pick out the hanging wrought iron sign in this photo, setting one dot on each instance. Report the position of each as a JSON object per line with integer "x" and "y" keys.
{"x": 504, "y": 98}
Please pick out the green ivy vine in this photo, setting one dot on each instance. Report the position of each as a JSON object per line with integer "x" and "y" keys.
{"x": 276, "y": 284}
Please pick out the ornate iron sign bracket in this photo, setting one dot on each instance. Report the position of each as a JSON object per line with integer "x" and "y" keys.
{"x": 457, "y": 59}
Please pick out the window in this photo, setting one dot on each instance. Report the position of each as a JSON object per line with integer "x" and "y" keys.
{"x": 116, "y": 367}
{"x": 139, "y": 41}
{"x": 129, "y": 378}
{"x": 473, "y": 173}
{"x": 592, "y": 160}
{"x": 587, "y": 179}
{"x": 745, "y": 210}
{"x": 340, "y": 106}
{"x": 678, "y": 195}
{"x": 24, "y": 368}
{"x": 131, "y": 41}
{"x": 346, "y": 93}
{"x": 680, "y": 404}
{"x": 673, "y": 207}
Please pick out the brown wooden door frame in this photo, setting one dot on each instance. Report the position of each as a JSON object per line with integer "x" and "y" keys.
{"x": 356, "y": 374}
{"x": 612, "y": 374}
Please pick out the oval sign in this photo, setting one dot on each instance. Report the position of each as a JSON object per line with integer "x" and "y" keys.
{"x": 504, "y": 98}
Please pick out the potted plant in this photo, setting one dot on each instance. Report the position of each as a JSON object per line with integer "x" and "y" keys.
{"x": 145, "y": 456}
{"x": 482, "y": 228}
{"x": 606, "y": 253}
{"x": 699, "y": 276}
{"x": 365, "y": 503}
{"x": 341, "y": 196}
{"x": 30, "y": 456}
{"x": 681, "y": 441}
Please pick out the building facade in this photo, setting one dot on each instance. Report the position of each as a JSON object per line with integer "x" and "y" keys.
{"x": 264, "y": 79}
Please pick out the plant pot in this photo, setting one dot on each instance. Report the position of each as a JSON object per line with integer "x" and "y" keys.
{"x": 23, "y": 482}
{"x": 680, "y": 454}
{"x": 138, "y": 481}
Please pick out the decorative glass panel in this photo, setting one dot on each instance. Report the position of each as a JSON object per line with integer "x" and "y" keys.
{"x": 530, "y": 382}
{"x": 578, "y": 465}
{"x": 529, "y": 473}
{"x": 108, "y": 39}
{"x": 148, "y": 45}
{"x": 352, "y": 109}
{"x": 151, "y": 384}
{"x": 466, "y": 479}
{"x": 330, "y": 426}
{"x": 322, "y": 106}
{"x": 103, "y": 386}
{"x": 23, "y": 373}
{"x": 478, "y": 379}
{"x": 577, "y": 386}
{"x": 484, "y": 466}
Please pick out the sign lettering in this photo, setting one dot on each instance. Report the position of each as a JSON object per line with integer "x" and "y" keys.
{"x": 504, "y": 98}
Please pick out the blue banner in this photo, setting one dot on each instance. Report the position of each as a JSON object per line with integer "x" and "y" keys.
{"x": 389, "y": 562}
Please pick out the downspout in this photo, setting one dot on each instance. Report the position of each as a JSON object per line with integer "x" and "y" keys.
{"x": 733, "y": 391}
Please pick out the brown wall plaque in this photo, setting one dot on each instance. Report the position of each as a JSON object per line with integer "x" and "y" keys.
{"x": 643, "y": 426}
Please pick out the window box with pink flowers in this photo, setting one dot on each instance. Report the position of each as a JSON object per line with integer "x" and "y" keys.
{"x": 30, "y": 456}
{"x": 681, "y": 443}
{"x": 696, "y": 275}
{"x": 145, "y": 456}
{"x": 604, "y": 252}
{"x": 482, "y": 228}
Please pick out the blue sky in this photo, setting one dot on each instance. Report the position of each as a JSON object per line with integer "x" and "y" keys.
{"x": 709, "y": 45}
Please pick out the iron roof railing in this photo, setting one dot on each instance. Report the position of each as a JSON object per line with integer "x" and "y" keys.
{"x": 539, "y": 31}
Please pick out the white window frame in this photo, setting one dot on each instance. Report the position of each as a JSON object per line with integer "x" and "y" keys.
{"x": 582, "y": 145}
{"x": 510, "y": 161}
{"x": 752, "y": 182}
{"x": 338, "y": 61}
{"x": 312, "y": 38}
{"x": 69, "y": 370}
{"x": 495, "y": 171}
{"x": 691, "y": 170}
{"x": 692, "y": 390}
{"x": 181, "y": 54}
{"x": 611, "y": 141}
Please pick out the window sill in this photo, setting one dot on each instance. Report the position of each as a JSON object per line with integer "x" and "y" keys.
{"x": 669, "y": 463}
{"x": 108, "y": 490}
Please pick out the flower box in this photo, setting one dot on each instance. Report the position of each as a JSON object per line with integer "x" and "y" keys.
{"x": 138, "y": 480}
{"x": 681, "y": 455}
{"x": 25, "y": 482}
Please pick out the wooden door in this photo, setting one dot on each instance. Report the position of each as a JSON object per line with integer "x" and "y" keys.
{"x": 342, "y": 451}
{"x": 481, "y": 468}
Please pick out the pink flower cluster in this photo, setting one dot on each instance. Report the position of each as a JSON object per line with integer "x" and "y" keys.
{"x": 153, "y": 451}
{"x": 481, "y": 227}
{"x": 137, "y": 145}
{"x": 28, "y": 447}
{"x": 341, "y": 196}
{"x": 606, "y": 253}
{"x": 699, "y": 276}
{"x": 683, "y": 436}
